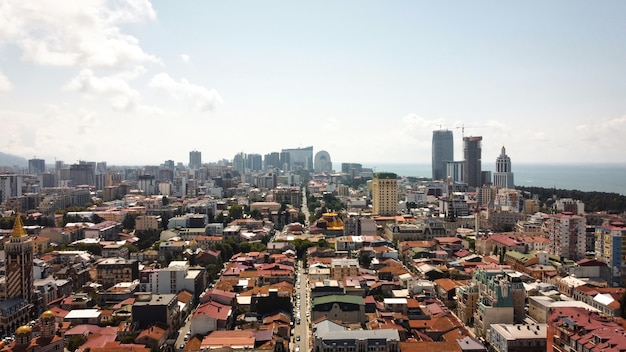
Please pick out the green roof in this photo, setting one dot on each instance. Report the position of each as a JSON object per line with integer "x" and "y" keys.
{"x": 338, "y": 298}
{"x": 520, "y": 256}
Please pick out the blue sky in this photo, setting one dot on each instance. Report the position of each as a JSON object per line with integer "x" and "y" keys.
{"x": 138, "y": 82}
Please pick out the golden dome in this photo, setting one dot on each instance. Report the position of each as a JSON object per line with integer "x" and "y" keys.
{"x": 23, "y": 330}
{"x": 47, "y": 314}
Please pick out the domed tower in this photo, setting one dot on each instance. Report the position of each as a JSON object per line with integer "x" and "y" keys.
{"x": 23, "y": 335}
{"x": 48, "y": 324}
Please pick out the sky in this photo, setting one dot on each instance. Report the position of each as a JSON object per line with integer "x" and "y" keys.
{"x": 134, "y": 82}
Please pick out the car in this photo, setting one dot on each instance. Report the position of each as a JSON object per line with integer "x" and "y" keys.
{"x": 297, "y": 348}
{"x": 297, "y": 337}
{"x": 182, "y": 346}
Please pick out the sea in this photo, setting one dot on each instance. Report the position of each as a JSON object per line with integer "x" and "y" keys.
{"x": 598, "y": 177}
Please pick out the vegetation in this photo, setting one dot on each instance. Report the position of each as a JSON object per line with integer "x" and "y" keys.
{"x": 129, "y": 222}
{"x": 75, "y": 341}
{"x": 594, "y": 201}
{"x": 147, "y": 238}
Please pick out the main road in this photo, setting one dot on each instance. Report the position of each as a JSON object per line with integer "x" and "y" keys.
{"x": 301, "y": 309}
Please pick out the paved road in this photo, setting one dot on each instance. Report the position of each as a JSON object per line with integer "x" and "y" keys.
{"x": 302, "y": 329}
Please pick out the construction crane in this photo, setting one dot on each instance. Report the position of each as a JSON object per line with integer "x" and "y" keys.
{"x": 462, "y": 127}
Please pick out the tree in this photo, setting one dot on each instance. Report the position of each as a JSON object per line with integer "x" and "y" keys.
{"x": 256, "y": 214}
{"x": 235, "y": 212}
{"x": 129, "y": 222}
{"x": 75, "y": 341}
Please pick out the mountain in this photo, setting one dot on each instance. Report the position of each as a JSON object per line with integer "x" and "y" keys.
{"x": 12, "y": 160}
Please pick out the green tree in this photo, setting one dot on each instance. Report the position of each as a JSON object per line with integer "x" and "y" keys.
{"x": 129, "y": 222}
{"x": 235, "y": 212}
{"x": 75, "y": 341}
{"x": 256, "y": 214}
{"x": 131, "y": 247}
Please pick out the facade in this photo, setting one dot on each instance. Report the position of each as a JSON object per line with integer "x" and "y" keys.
{"x": 335, "y": 338}
{"x": 454, "y": 170}
{"x": 36, "y": 166}
{"x": 83, "y": 173}
{"x": 517, "y": 337}
{"x": 567, "y": 235}
{"x": 195, "y": 159}
{"x": 16, "y": 304}
{"x": 385, "y": 193}
{"x": 322, "y": 162}
{"x": 501, "y": 299}
{"x": 472, "y": 167}
{"x": 176, "y": 277}
{"x": 344, "y": 308}
{"x": 299, "y": 158}
{"x": 442, "y": 152}
{"x": 111, "y": 271}
{"x": 340, "y": 268}
{"x": 503, "y": 177}
{"x": 611, "y": 249}
{"x": 149, "y": 309}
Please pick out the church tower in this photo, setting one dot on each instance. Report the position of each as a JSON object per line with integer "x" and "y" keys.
{"x": 19, "y": 264}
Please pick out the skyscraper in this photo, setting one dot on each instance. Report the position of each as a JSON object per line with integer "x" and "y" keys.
{"x": 472, "y": 158}
{"x": 443, "y": 150}
{"x": 322, "y": 162}
{"x": 503, "y": 177}
{"x": 300, "y": 158}
{"x": 385, "y": 193}
{"x": 195, "y": 159}
{"x": 36, "y": 166}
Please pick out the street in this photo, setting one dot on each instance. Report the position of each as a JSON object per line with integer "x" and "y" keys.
{"x": 301, "y": 312}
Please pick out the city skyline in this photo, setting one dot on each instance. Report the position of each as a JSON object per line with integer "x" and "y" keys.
{"x": 137, "y": 83}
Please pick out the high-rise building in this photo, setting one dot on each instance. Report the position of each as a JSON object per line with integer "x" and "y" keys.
{"x": 322, "y": 162}
{"x": 195, "y": 159}
{"x": 17, "y": 298}
{"x": 567, "y": 235}
{"x": 272, "y": 160}
{"x": 385, "y": 193}
{"x": 454, "y": 170}
{"x": 472, "y": 161}
{"x": 443, "y": 150}
{"x": 254, "y": 162}
{"x": 610, "y": 249}
{"x": 82, "y": 173}
{"x": 36, "y": 166}
{"x": 503, "y": 177}
{"x": 300, "y": 158}
{"x": 239, "y": 162}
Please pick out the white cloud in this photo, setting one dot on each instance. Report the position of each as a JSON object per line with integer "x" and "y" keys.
{"x": 69, "y": 33}
{"x": 185, "y": 58}
{"x": 202, "y": 99}
{"x": 5, "y": 84}
{"x": 115, "y": 88}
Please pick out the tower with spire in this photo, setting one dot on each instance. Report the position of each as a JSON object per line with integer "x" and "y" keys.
{"x": 503, "y": 177}
{"x": 17, "y": 298}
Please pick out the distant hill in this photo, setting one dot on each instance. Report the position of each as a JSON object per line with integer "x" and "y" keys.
{"x": 12, "y": 160}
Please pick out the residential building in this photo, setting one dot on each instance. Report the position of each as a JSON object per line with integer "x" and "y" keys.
{"x": 111, "y": 271}
{"x": 195, "y": 159}
{"x": 442, "y": 152}
{"x": 340, "y": 268}
{"x": 517, "y": 337}
{"x": 611, "y": 249}
{"x": 176, "y": 277}
{"x": 36, "y": 166}
{"x": 344, "y": 308}
{"x": 385, "y": 193}
{"x": 501, "y": 299}
{"x": 149, "y": 309}
{"x": 567, "y": 235}
{"x": 472, "y": 168}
